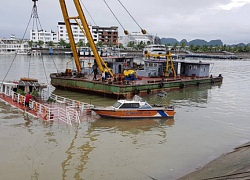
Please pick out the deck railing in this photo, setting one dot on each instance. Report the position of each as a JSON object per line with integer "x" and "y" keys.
{"x": 63, "y": 109}
{"x": 71, "y": 103}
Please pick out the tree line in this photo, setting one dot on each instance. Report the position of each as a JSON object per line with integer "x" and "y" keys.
{"x": 139, "y": 46}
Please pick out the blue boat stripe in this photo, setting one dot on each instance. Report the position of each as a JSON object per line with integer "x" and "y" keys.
{"x": 162, "y": 113}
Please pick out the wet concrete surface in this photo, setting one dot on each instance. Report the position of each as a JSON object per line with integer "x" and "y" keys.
{"x": 233, "y": 165}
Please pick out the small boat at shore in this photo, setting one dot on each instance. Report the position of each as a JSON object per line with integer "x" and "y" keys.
{"x": 134, "y": 108}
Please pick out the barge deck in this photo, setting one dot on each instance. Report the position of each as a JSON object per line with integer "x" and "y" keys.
{"x": 127, "y": 89}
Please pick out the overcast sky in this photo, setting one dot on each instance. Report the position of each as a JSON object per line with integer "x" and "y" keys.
{"x": 227, "y": 20}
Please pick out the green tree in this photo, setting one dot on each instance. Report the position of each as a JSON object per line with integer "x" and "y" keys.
{"x": 183, "y": 46}
{"x": 131, "y": 44}
{"x": 141, "y": 45}
{"x": 30, "y": 43}
{"x": 51, "y": 43}
{"x": 120, "y": 45}
{"x": 197, "y": 48}
{"x": 175, "y": 46}
{"x": 99, "y": 44}
{"x": 204, "y": 48}
{"x": 40, "y": 43}
{"x": 62, "y": 43}
{"x": 191, "y": 47}
{"x": 80, "y": 43}
{"x": 87, "y": 44}
{"x": 67, "y": 45}
{"x": 246, "y": 48}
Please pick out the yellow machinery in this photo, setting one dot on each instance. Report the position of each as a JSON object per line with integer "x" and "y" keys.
{"x": 169, "y": 65}
{"x": 99, "y": 61}
{"x": 169, "y": 62}
{"x": 130, "y": 74}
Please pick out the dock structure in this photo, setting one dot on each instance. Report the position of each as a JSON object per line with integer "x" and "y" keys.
{"x": 127, "y": 89}
{"x": 210, "y": 56}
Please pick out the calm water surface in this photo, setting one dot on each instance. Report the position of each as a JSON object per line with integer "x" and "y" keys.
{"x": 209, "y": 121}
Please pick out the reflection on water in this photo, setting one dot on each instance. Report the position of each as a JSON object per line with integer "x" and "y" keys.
{"x": 78, "y": 154}
{"x": 76, "y": 162}
{"x": 132, "y": 126}
{"x": 193, "y": 96}
{"x": 207, "y": 123}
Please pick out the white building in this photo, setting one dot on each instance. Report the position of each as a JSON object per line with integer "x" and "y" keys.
{"x": 104, "y": 34}
{"x": 14, "y": 46}
{"x": 43, "y": 35}
{"x": 137, "y": 38}
{"x": 77, "y": 32}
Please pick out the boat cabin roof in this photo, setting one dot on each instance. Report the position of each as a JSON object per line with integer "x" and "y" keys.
{"x": 136, "y": 102}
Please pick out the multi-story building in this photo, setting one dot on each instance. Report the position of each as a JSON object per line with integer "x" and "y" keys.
{"x": 76, "y": 30}
{"x": 43, "y": 35}
{"x": 107, "y": 35}
{"x": 14, "y": 46}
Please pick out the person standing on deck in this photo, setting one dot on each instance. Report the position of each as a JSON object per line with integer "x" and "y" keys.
{"x": 95, "y": 71}
{"x": 27, "y": 100}
{"x": 103, "y": 76}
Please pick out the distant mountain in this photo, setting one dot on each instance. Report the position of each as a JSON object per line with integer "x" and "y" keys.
{"x": 200, "y": 42}
{"x": 170, "y": 41}
{"x": 241, "y": 44}
{"x": 184, "y": 41}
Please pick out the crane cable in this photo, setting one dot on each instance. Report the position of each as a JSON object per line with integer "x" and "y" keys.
{"x": 18, "y": 48}
{"x": 125, "y": 31}
{"x": 35, "y": 17}
{"x": 37, "y": 22}
{"x": 142, "y": 30}
{"x": 88, "y": 12}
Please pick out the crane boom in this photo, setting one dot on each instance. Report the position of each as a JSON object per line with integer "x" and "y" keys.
{"x": 169, "y": 61}
{"x": 99, "y": 61}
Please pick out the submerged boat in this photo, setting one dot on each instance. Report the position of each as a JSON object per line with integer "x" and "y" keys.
{"x": 43, "y": 104}
{"x": 134, "y": 108}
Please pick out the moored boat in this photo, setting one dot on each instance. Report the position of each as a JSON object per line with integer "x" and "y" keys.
{"x": 134, "y": 108}
{"x": 155, "y": 49}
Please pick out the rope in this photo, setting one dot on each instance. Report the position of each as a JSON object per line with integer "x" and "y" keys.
{"x": 88, "y": 12}
{"x": 132, "y": 17}
{"x": 45, "y": 70}
{"x": 29, "y": 69}
{"x": 54, "y": 63}
{"x": 18, "y": 48}
{"x": 34, "y": 15}
{"x": 114, "y": 15}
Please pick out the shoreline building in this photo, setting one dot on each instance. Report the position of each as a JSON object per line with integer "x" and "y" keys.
{"x": 13, "y": 45}
{"x": 43, "y": 35}
{"x": 77, "y": 32}
{"x": 107, "y": 35}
